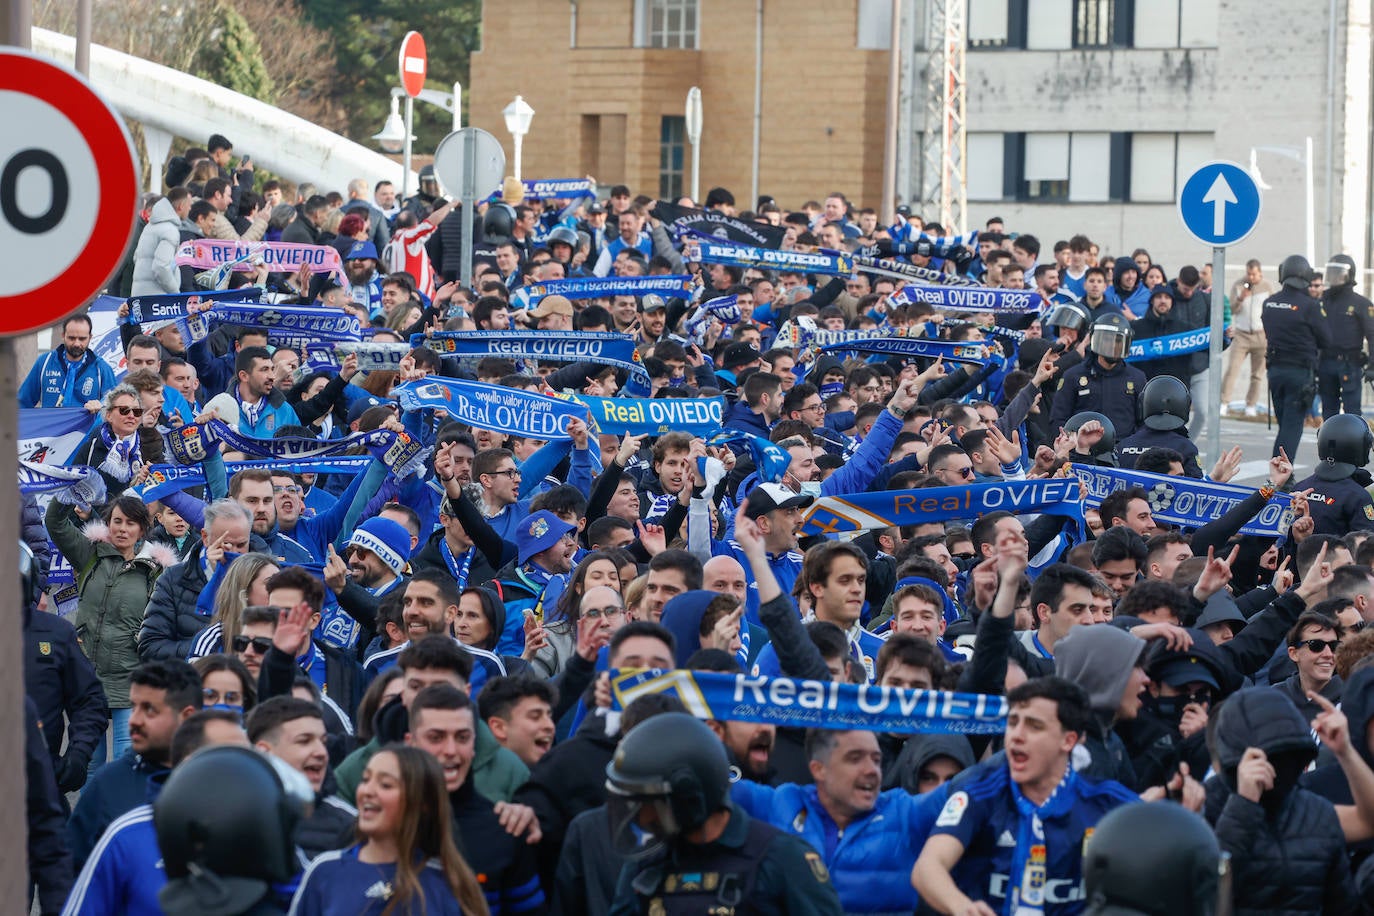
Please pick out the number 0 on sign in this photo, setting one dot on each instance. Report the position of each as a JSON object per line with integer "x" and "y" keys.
{"x": 68, "y": 192}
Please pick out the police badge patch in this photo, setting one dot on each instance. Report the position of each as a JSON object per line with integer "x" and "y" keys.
{"x": 1369, "y": 513}
{"x": 818, "y": 867}
{"x": 45, "y": 648}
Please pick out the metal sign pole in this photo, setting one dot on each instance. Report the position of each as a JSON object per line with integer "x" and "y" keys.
{"x": 405, "y": 166}
{"x": 469, "y": 195}
{"x": 1214, "y": 354}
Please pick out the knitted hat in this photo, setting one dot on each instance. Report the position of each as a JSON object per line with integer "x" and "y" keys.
{"x": 385, "y": 538}
{"x": 538, "y": 533}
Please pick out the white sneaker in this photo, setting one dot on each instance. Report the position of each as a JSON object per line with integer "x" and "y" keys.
{"x": 1251, "y": 410}
{"x": 1225, "y": 410}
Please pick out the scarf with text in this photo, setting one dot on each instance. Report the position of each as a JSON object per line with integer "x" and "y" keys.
{"x": 606, "y": 349}
{"x": 668, "y": 286}
{"x": 699, "y": 248}
{"x": 372, "y": 357}
{"x": 656, "y": 416}
{"x": 171, "y": 478}
{"x": 82, "y": 487}
{"x": 493, "y": 407}
{"x": 969, "y": 299}
{"x": 1188, "y": 502}
{"x": 281, "y": 257}
{"x": 832, "y": 515}
{"x": 191, "y": 444}
{"x": 683, "y": 220}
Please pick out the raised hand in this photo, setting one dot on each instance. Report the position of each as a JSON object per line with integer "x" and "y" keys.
{"x": 1280, "y": 468}
{"x": 293, "y": 630}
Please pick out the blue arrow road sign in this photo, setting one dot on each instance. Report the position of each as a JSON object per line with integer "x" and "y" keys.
{"x": 1219, "y": 203}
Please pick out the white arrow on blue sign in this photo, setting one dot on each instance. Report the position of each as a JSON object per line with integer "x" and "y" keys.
{"x": 1219, "y": 203}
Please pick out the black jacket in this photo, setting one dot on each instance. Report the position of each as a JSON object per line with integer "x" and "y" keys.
{"x": 1287, "y": 851}
{"x": 506, "y": 866}
{"x": 61, "y": 682}
{"x": 50, "y": 863}
{"x": 569, "y": 779}
{"x": 330, "y": 825}
{"x": 116, "y": 789}
{"x": 343, "y": 676}
{"x": 171, "y": 624}
{"x": 36, "y": 536}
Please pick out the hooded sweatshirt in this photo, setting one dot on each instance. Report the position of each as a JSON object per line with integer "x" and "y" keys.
{"x": 920, "y": 750}
{"x": 1100, "y": 659}
{"x": 1288, "y": 852}
{"x": 682, "y": 616}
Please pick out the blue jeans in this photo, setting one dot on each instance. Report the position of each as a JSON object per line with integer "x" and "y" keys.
{"x": 119, "y": 724}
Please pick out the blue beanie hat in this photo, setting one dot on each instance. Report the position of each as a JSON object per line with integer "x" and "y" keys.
{"x": 389, "y": 540}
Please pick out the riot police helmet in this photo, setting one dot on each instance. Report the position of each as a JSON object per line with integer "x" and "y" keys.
{"x": 499, "y": 222}
{"x": 1165, "y": 403}
{"x": 429, "y": 182}
{"x": 563, "y": 234}
{"x": 1339, "y": 271}
{"x": 1154, "y": 860}
{"x": 1111, "y": 336}
{"x": 1068, "y": 316}
{"x": 1343, "y": 445}
{"x": 668, "y": 775}
{"x": 225, "y": 821}
{"x": 1295, "y": 272}
{"x": 1107, "y": 444}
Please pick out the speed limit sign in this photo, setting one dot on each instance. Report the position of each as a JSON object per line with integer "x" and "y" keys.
{"x": 68, "y": 192}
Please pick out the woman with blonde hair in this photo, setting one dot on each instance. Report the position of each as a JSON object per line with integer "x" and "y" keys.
{"x": 242, "y": 584}
{"x": 407, "y": 861}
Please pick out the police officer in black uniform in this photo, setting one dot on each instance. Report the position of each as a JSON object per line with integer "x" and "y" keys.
{"x": 1104, "y": 382}
{"x": 1154, "y": 860}
{"x": 1164, "y": 407}
{"x": 63, "y": 686}
{"x": 1351, "y": 325}
{"x": 1296, "y": 330}
{"x": 1339, "y": 502}
{"x": 669, "y": 784}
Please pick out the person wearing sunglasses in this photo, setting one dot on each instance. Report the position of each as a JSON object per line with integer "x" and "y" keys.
{"x": 951, "y": 465}
{"x": 250, "y": 644}
{"x": 1312, "y": 645}
{"x": 113, "y": 448}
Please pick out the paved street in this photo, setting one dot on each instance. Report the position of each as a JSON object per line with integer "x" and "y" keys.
{"x": 1256, "y": 440}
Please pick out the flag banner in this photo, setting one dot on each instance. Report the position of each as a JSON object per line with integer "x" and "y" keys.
{"x": 110, "y": 348}
{"x": 492, "y": 407}
{"x": 1186, "y": 501}
{"x": 105, "y": 303}
{"x": 82, "y": 487}
{"x": 770, "y": 459}
{"x": 293, "y": 323}
{"x": 792, "y": 703}
{"x": 866, "y": 260}
{"x": 969, "y": 299}
{"x": 607, "y": 349}
{"x": 170, "y": 478}
{"x": 669, "y": 286}
{"x": 163, "y": 310}
{"x": 906, "y": 240}
{"x": 191, "y": 444}
{"x": 950, "y": 351}
{"x": 709, "y": 250}
{"x": 832, "y": 515}
{"x": 656, "y": 416}
{"x": 281, "y": 257}
{"x": 49, "y": 435}
{"x": 1170, "y": 345}
{"x": 550, "y": 188}
{"x": 683, "y": 220}
{"x": 371, "y": 356}
{"x": 725, "y": 309}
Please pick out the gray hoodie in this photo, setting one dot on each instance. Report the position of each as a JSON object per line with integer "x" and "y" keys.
{"x": 1100, "y": 660}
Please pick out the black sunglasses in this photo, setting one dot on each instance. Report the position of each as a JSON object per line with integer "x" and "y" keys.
{"x": 260, "y": 644}
{"x": 1317, "y": 645}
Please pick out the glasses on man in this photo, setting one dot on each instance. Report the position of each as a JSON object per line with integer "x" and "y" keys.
{"x": 292, "y": 489}
{"x": 512, "y": 473}
{"x": 1317, "y": 645}
{"x": 126, "y": 411}
{"x": 600, "y": 613}
{"x": 260, "y": 644}
{"x": 965, "y": 472}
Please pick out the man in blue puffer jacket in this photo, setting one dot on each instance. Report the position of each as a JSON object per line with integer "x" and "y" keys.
{"x": 869, "y": 839}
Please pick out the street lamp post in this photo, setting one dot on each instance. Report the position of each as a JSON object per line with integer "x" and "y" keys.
{"x": 395, "y": 132}
{"x": 518, "y": 115}
{"x": 693, "y": 120}
{"x": 1303, "y": 156}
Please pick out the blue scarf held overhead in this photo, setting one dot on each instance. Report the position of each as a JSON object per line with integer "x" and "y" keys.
{"x": 1169, "y": 345}
{"x": 770, "y": 459}
{"x": 607, "y": 349}
{"x": 1187, "y": 502}
{"x": 969, "y": 299}
{"x": 191, "y": 444}
{"x": 656, "y": 416}
{"x": 671, "y": 286}
{"x": 492, "y": 407}
{"x": 709, "y": 250}
{"x": 81, "y": 486}
{"x": 832, "y": 515}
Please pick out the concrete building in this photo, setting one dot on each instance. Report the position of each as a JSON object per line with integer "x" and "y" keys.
{"x": 1083, "y": 115}
{"x": 608, "y": 80}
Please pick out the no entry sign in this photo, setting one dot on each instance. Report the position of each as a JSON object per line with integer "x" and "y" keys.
{"x": 68, "y": 192}
{"x": 414, "y": 63}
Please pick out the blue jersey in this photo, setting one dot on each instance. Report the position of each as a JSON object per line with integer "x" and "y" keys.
{"x": 124, "y": 872}
{"x": 982, "y": 814}
{"x": 338, "y": 883}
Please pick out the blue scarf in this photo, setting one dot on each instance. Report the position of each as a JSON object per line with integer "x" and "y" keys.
{"x": 159, "y": 311}
{"x": 709, "y": 250}
{"x": 170, "y": 478}
{"x": 656, "y": 416}
{"x": 504, "y": 410}
{"x": 770, "y": 459}
{"x": 833, "y": 515}
{"x": 866, "y": 261}
{"x": 607, "y": 349}
{"x": 1187, "y": 502}
{"x": 76, "y": 486}
{"x": 787, "y": 702}
{"x": 901, "y": 345}
{"x": 1170, "y": 345}
{"x": 1030, "y": 862}
{"x": 459, "y": 570}
{"x": 306, "y": 321}
{"x": 969, "y": 299}
{"x": 191, "y": 444}
{"x": 687, "y": 220}
{"x": 598, "y": 287}
{"x": 372, "y": 357}
{"x": 122, "y": 458}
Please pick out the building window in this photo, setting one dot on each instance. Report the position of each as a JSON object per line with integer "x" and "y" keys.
{"x": 666, "y": 24}
{"x": 989, "y": 24}
{"x": 1092, "y": 23}
{"x": 1045, "y": 167}
{"x": 672, "y": 157}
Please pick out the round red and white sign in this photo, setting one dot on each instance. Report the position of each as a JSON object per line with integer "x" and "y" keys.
{"x": 68, "y": 192}
{"x": 414, "y": 63}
